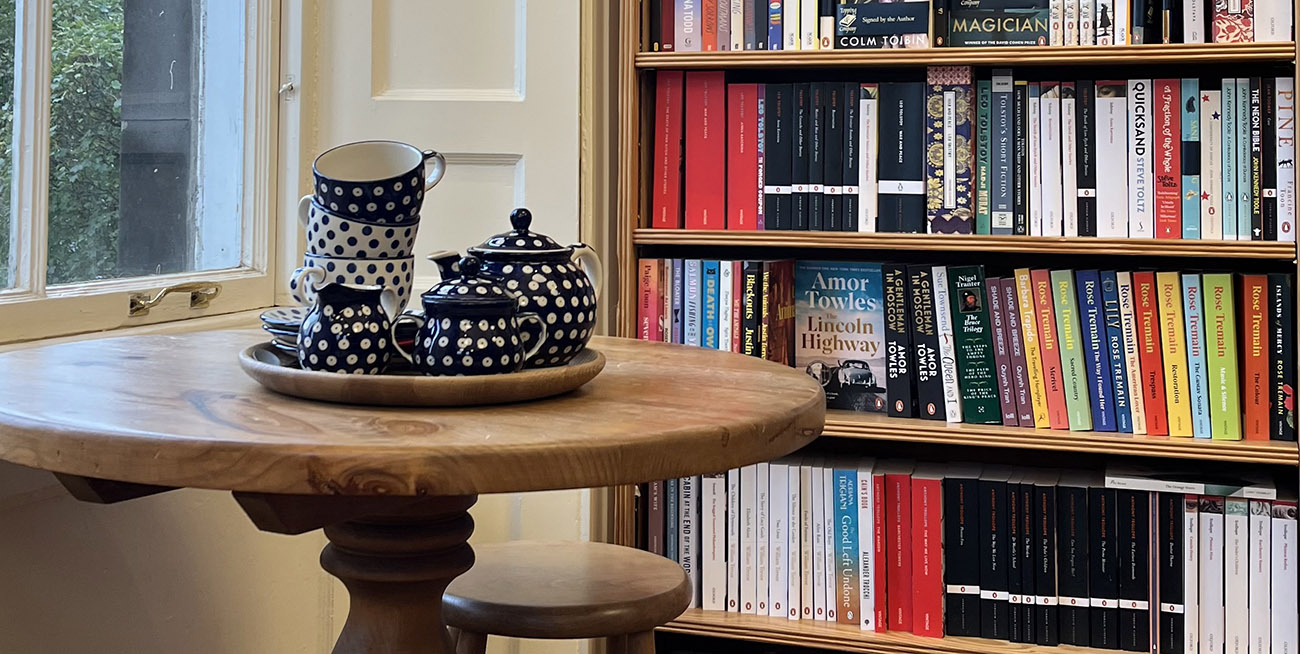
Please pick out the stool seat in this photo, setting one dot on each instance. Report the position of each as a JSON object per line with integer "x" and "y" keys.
{"x": 549, "y": 589}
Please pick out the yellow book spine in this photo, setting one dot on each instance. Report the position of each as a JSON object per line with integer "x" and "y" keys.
{"x": 1172, "y": 333}
{"x": 1033, "y": 360}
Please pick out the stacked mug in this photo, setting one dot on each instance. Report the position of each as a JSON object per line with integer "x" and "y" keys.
{"x": 362, "y": 216}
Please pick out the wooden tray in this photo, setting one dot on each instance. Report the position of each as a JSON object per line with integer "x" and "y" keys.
{"x": 280, "y": 372}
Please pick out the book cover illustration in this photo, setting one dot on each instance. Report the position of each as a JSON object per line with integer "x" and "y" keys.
{"x": 1234, "y": 21}
{"x": 973, "y": 342}
{"x": 840, "y": 333}
{"x": 1191, "y": 157}
{"x": 883, "y": 25}
{"x": 948, "y": 150}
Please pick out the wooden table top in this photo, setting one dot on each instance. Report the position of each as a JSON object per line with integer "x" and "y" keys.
{"x": 177, "y": 411}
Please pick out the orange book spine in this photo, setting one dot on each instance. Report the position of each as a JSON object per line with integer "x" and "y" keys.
{"x": 1048, "y": 346}
{"x": 1254, "y": 357}
{"x": 1153, "y": 371}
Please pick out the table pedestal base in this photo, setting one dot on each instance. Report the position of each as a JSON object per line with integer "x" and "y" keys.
{"x": 396, "y": 568}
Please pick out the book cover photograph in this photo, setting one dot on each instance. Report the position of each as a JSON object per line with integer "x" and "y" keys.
{"x": 840, "y": 331}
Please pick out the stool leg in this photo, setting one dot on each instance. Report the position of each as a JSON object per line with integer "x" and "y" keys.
{"x": 638, "y": 643}
{"x": 471, "y": 643}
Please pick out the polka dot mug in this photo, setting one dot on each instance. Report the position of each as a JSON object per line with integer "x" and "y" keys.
{"x": 336, "y": 235}
{"x": 319, "y": 270}
{"x": 376, "y": 181}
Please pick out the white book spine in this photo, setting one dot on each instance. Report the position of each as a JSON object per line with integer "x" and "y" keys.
{"x": 947, "y": 349}
{"x": 790, "y": 22}
{"x": 1285, "y": 636}
{"x": 1141, "y": 185}
{"x": 733, "y": 541}
{"x": 1049, "y": 145}
{"x": 807, "y": 596}
{"x": 778, "y": 543}
{"x": 1212, "y": 553}
{"x": 687, "y": 536}
{"x": 1236, "y": 575}
{"x": 1191, "y": 564}
{"x": 1261, "y": 561}
{"x": 713, "y": 542}
{"x": 828, "y": 502}
{"x": 762, "y": 538}
{"x": 808, "y": 22}
{"x": 1286, "y": 182}
{"x": 1228, "y": 162}
{"x": 818, "y": 544}
{"x": 1211, "y": 166}
{"x": 1112, "y": 157}
{"x": 1087, "y": 16}
{"x": 1105, "y": 33}
{"x": 1194, "y": 21}
{"x": 826, "y": 32}
{"x": 1121, "y": 22}
{"x": 724, "y": 305}
{"x": 1132, "y": 361}
{"x": 1272, "y": 21}
{"x": 793, "y": 570}
{"x": 748, "y": 536}
{"x": 1032, "y": 132}
{"x": 1069, "y": 157}
{"x": 867, "y": 549}
{"x": 1057, "y": 13}
{"x": 738, "y": 8}
{"x": 868, "y": 174}
{"x": 1072, "y": 21}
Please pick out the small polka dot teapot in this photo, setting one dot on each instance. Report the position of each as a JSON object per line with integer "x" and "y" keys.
{"x": 559, "y": 283}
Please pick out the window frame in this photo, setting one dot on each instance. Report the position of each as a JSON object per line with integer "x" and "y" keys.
{"x": 31, "y": 309}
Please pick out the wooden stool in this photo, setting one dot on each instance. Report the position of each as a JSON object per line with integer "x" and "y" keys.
{"x": 533, "y": 589}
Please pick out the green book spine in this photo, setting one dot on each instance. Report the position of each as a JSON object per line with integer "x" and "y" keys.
{"x": 1077, "y": 403}
{"x": 1221, "y": 354}
{"x": 973, "y": 341}
{"x": 983, "y": 140}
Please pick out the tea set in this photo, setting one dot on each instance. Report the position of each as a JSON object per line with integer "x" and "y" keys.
{"x": 517, "y": 301}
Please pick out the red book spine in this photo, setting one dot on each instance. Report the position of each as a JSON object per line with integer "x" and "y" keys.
{"x": 706, "y": 150}
{"x": 881, "y": 563}
{"x": 742, "y": 159}
{"x": 1147, "y": 317}
{"x": 737, "y": 304}
{"x": 898, "y": 513}
{"x": 927, "y": 556}
{"x": 1049, "y": 347}
{"x": 647, "y": 309}
{"x": 668, "y": 26}
{"x": 1169, "y": 166}
{"x": 1254, "y": 357}
{"x": 710, "y": 40}
{"x": 667, "y": 208}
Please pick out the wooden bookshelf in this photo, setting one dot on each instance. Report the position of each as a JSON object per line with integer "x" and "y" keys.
{"x": 1131, "y": 247}
{"x": 843, "y": 638}
{"x": 1179, "y": 53}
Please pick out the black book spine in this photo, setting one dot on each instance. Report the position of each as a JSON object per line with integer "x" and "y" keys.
{"x": 760, "y": 10}
{"x": 1268, "y": 157}
{"x": 1072, "y": 564}
{"x": 751, "y": 308}
{"x": 1134, "y": 576}
{"x": 800, "y": 153}
{"x": 817, "y": 157}
{"x": 1020, "y": 169}
{"x": 850, "y": 156}
{"x": 1171, "y": 573}
{"x": 1028, "y": 567}
{"x": 1256, "y": 161}
{"x": 833, "y": 159}
{"x": 902, "y": 158}
{"x": 994, "y": 622}
{"x": 655, "y": 8}
{"x": 961, "y": 553}
{"x": 1045, "y": 608}
{"x": 777, "y": 152}
{"x": 1136, "y": 22}
{"x": 1086, "y": 108}
{"x": 898, "y": 344}
{"x": 925, "y": 339}
{"x": 1281, "y": 356}
{"x": 1015, "y": 565}
{"x": 942, "y": 23}
{"x": 1103, "y": 582}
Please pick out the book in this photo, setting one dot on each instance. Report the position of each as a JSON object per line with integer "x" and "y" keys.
{"x": 1002, "y": 198}
{"x": 993, "y": 512}
{"x": 1096, "y": 350}
{"x": 1034, "y": 363}
{"x": 1232, "y": 22}
{"x": 672, "y": 522}
{"x": 706, "y": 151}
{"x": 709, "y": 27}
{"x": 790, "y": 25}
{"x": 874, "y": 25}
{"x": 1259, "y": 562}
{"x": 713, "y": 541}
{"x": 869, "y": 152}
{"x": 1019, "y": 360}
{"x": 1020, "y": 159}
{"x": 648, "y": 301}
{"x": 1112, "y": 155}
{"x": 1211, "y": 575}
{"x": 1049, "y": 149}
{"x": 1176, "y": 481}
{"x": 983, "y": 162}
{"x": 961, "y": 551}
{"x": 927, "y": 551}
{"x": 1132, "y": 356}
{"x": 1134, "y": 517}
{"x": 1197, "y": 321}
{"x": 871, "y": 550}
{"x": 1191, "y": 573}
{"x": 847, "y": 595}
{"x": 709, "y": 304}
{"x": 901, "y": 194}
{"x": 762, "y": 537}
{"x": 1174, "y": 354}
{"x": 687, "y": 533}
{"x": 1228, "y": 159}
{"x": 1069, "y": 160}
{"x": 1049, "y": 349}
{"x": 1086, "y": 153}
{"x": 1147, "y": 314}
{"x": 851, "y": 152}
{"x": 778, "y": 538}
{"x": 1245, "y": 191}
{"x": 943, "y": 322}
{"x": 899, "y": 369}
{"x": 775, "y": 26}
{"x": 1015, "y": 563}
{"x": 1190, "y": 155}
{"x": 1103, "y": 567}
{"x": 748, "y": 539}
{"x": 760, "y": 156}
{"x": 833, "y": 157}
{"x": 801, "y": 124}
{"x": 1284, "y": 121}
{"x": 1236, "y": 574}
{"x": 751, "y": 309}
{"x": 985, "y": 23}
{"x": 898, "y": 517}
{"x": 1141, "y": 168}
{"x": 1074, "y": 380}
{"x": 840, "y": 331}
{"x": 1046, "y": 610}
{"x": 1283, "y": 632}
{"x": 1211, "y": 165}
{"x": 1029, "y": 599}
{"x": 669, "y": 108}
{"x": 973, "y": 344}
{"x": 733, "y": 540}
{"x": 779, "y": 304}
{"x": 778, "y": 152}
{"x": 742, "y": 156}
{"x": 1115, "y": 351}
{"x": 1282, "y": 357}
{"x": 693, "y": 303}
{"x": 795, "y": 532}
{"x": 949, "y": 201}
{"x": 1254, "y": 357}
{"x": 1169, "y": 573}
{"x": 925, "y": 340}
{"x": 808, "y": 494}
{"x": 818, "y": 104}
{"x": 830, "y": 580}
{"x": 1268, "y": 157}
{"x": 1221, "y": 357}
{"x": 1033, "y": 128}
{"x": 1001, "y": 352}
{"x": 1072, "y": 558}
{"x": 686, "y": 30}
{"x": 1167, "y": 151}
{"x": 1256, "y": 157}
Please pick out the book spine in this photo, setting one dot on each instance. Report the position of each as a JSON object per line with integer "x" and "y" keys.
{"x": 1191, "y": 565}
{"x": 725, "y": 287}
{"x": 851, "y": 151}
{"x": 1034, "y": 366}
{"x": 1002, "y": 152}
{"x": 1268, "y": 156}
{"x": 709, "y": 28}
{"x": 949, "y": 203}
{"x": 807, "y": 549}
{"x": 1132, "y": 353}
{"x": 1105, "y": 33}
{"x": 1282, "y": 357}
{"x": 1072, "y": 564}
{"x": 879, "y": 547}
{"x": 748, "y": 539}
{"x": 1232, "y": 22}
{"x": 1168, "y": 177}
{"x": 1046, "y": 611}
{"x": 925, "y": 339}
{"x": 973, "y": 344}
{"x": 1284, "y": 107}
{"x": 1069, "y": 159}
{"x": 1074, "y": 379}
{"x": 736, "y": 25}
{"x": 1049, "y": 146}
{"x": 1002, "y": 353}
{"x": 793, "y": 570}
{"x": 1115, "y": 346}
{"x": 826, "y": 25}
{"x": 751, "y": 309}
{"x": 1034, "y": 151}
{"x": 761, "y": 12}
{"x": 778, "y": 538}
{"x": 833, "y": 160}
{"x": 1141, "y": 185}
{"x": 648, "y": 306}
{"x": 668, "y": 297}
{"x": 1122, "y": 23}
{"x": 1244, "y": 190}
{"x": 706, "y": 151}
{"x": 1254, "y": 352}
{"x": 692, "y": 323}
{"x": 1028, "y": 556}
{"x": 1019, "y": 362}
{"x": 1174, "y": 354}
{"x": 1049, "y": 348}
{"x": 847, "y": 535}
{"x": 777, "y": 152}
{"x": 713, "y": 538}
{"x": 790, "y": 25}
{"x": 1221, "y": 361}
{"x": 742, "y": 159}
{"x": 1071, "y": 34}
{"x": 1169, "y": 574}
{"x": 1211, "y": 166}
{"x": 1196, "y": 313}
{"x": 983, "y": 162}
{"x": 1256, "y": 165}
{"x": 800, "y": 153}
{"x": 817, "y": 99}
{"x": 669, "y": 108}
{"x": 737, "y": 306}
{"x": 1087, "y": 28}
{"x": 1236, "y": 575}
{"x": 1087, "y": 157}
{"x": 1193, "y": 21}
{"x": 1096, "y": 350}
{"x": 709, "y": 305}
{"x": 687, "y": 26}
{"x": 927, "y": 550}
{"x": 898, "y": 344}
{"x": 672, "y": 520}
{"x": 655, "y": 517}
{"x": 831, "y": 528}
{"x": 868, "y": 150}
{"x": 1103, "y": 568}
{"x": 1134, "y": 568}
{"x": 994, "y": 604}
{"x": 1020, "y": 159}
{"x": 1056, "y": 16}
{"x": 762, "y": 537}
{"x": 1190, "y": 150}
{"x": 749, "y": 20}
{"x": 688, "y": 539}
{"x": 760, "y": 156}
{"x": 1284, "y": 591}
{"x": 1015, "y": 565}
{"x": 961, "y": 557}
{"x": 1212, "y": 568}
{"x": 902, "y": 169}
{"x": 733, "y": 540}
{"x": 1260, "y": 577}
{"x": 898, "y": 513}
{"x": 943, "y": 319}
{"x": 775, "y": 26}
{"x": 1147, "y": 313}
{"x": 1228, "y": 162}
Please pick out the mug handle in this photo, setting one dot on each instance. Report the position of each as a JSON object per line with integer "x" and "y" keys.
{"x": 392, "y": 332}
{"x": 388, "y": 302}
{"x": 439, "y": 167}
{"x": 304, "y": 207}
{"x": 541, "y": 329}
{"x": 586, "y": 257}
{"x": 302, "y": 279}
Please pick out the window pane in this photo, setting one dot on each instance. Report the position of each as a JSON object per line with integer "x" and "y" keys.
{"x": 146, "y": 138}
{"x": 6, "y": 134}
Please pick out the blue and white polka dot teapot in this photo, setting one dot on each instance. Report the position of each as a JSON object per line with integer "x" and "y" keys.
{"x": 559, "y": 283}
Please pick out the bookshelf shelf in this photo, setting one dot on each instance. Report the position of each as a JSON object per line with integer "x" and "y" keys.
{"x": 944, "y": 242}
{"x": 844, "y": 638}
{"x": 868, "y": 426}
{"x": 1179, "y": 53}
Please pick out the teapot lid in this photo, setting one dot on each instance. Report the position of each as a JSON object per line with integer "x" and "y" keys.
{"x": 520, "y": 240}
{"x": 472, "y": 289}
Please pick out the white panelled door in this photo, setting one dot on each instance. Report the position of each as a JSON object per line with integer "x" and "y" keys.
{"x": 493, "y": 85}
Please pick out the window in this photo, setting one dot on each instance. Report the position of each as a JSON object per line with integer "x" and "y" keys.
{"x": 130, "y": 158}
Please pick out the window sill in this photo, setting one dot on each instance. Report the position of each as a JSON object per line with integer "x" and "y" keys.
{"x": 225, "y": 321}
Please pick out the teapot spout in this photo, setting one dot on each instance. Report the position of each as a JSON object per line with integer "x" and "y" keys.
{"x": 448, "y": 263}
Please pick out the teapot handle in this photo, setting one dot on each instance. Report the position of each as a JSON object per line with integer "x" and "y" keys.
{"x": 586, "y": 257}
{"x": 304, "y": 209}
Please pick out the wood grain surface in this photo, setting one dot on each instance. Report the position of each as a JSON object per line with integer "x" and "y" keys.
{"x": 177, "y": 411}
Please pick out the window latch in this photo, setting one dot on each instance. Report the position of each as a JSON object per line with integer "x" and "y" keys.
{"x": 201, "y": 293}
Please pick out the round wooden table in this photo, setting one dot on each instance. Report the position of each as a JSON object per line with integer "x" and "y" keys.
{"x": 119, "y": 418}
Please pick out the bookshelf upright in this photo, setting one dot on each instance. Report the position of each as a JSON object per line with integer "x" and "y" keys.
{"x": 635, "y": 238}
